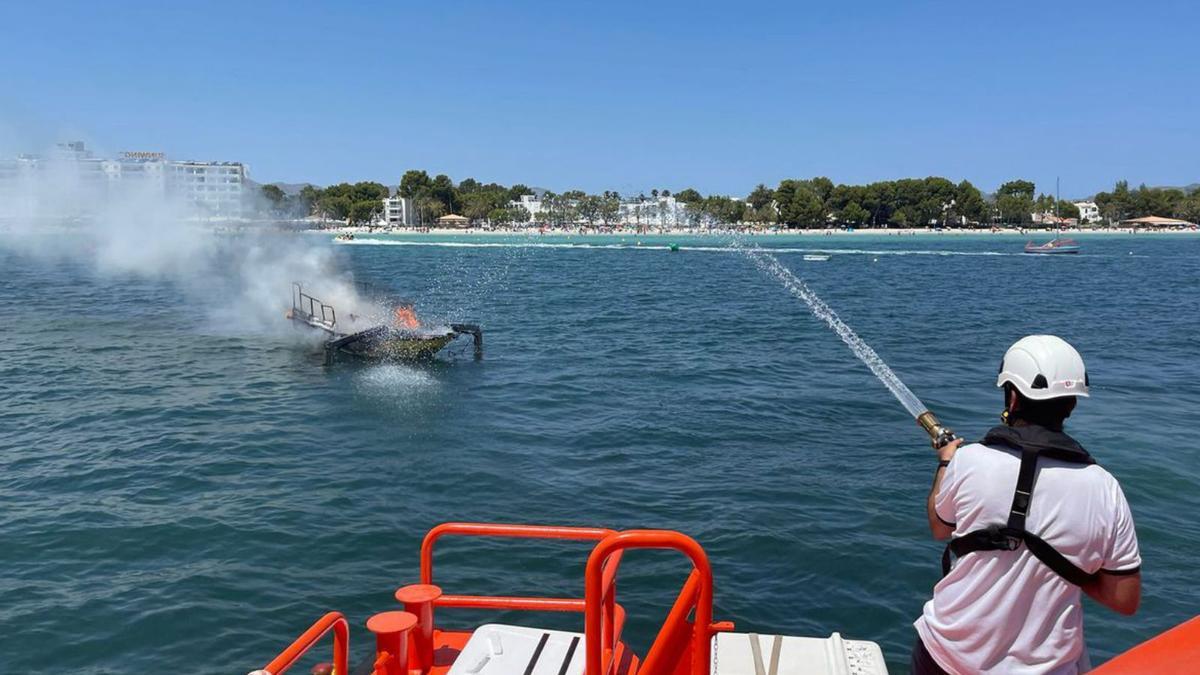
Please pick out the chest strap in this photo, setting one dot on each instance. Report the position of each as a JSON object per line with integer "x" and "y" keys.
{"x": 1011, "y": 535}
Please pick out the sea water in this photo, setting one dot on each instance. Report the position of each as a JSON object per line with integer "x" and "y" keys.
{"x": 178, "y": 494}
{"x": 770, "y": 264}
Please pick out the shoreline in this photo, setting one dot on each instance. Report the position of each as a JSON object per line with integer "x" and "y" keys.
{"x": 686, "y": 232}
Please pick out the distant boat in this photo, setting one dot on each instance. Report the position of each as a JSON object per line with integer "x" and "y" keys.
{"x": 816, "y": 257}
{"x": 1053, "y": 247}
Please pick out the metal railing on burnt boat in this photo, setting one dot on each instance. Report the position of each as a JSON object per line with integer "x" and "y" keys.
{"x": 299, "y": 298}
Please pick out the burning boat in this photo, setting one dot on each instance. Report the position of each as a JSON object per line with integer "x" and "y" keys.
{"x": 405, "y": 339}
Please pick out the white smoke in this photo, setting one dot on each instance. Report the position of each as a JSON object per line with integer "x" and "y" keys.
{"x": 238, "y": 272}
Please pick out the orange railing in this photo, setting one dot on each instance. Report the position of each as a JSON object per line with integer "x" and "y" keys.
{"x": 679, "y": 641}
{"x": 508, "y": 602}
{"x": 682, "y": 646}
{"x": 341, "y": 645}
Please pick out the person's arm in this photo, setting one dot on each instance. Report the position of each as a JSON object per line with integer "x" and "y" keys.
{"x": 1121, "y": 593}
{"x": 938, "y": 528}
{"x": 1118, "y": 584}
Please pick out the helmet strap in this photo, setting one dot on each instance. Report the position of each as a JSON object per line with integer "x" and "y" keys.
{"x": 1006, "y": 416}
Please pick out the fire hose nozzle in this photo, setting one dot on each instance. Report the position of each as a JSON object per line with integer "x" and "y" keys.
{"x": 939, "y": 434}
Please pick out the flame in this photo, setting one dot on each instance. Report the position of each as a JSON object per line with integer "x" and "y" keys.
{"x": 405, "y": 317}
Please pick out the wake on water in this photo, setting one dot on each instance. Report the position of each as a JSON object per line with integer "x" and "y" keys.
{"x": 658, "y": 247}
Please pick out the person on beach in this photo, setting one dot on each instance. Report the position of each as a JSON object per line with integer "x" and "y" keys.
{"x": 1033, "y": 522}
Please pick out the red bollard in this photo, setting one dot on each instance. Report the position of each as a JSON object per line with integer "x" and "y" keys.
{"x": 391, "y": 638}
{"x": 418, "y": 600}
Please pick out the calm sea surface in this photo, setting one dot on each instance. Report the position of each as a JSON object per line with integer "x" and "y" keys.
{"x": 180, "y": 496}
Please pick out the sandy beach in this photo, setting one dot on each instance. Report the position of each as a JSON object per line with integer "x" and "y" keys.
{"x": 695, "y": 232}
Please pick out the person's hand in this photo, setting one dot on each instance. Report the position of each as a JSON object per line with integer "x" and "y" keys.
{"x": 946, "y": 452}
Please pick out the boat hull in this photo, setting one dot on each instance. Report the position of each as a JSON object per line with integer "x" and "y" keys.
{"x": 1058, "y": 250}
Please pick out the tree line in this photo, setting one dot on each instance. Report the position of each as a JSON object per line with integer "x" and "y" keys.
{"x": 800, "y": 203}
{"x": 1123, "y": 203}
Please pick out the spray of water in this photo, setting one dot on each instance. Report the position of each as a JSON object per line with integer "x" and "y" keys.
{"x": 769, "y": 264}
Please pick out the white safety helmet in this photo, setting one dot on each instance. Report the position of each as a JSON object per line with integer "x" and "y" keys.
{"x": 1043, "y": 367}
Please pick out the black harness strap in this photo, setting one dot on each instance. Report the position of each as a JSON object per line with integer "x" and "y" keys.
{"x": 1011, "y": 535}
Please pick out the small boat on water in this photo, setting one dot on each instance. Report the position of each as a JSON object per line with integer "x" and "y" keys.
{"x": 1053, "y": 247}
{"x": 404, "y": 340}
{"x": 816, "y": 257}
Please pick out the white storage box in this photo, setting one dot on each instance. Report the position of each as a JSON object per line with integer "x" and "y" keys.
{"x": 496, "y": 649}
{"x": 735, "y": 654}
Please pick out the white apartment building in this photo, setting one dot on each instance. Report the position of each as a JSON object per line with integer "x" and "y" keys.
{"x": 531, "y": 203}
{"x": 398, "y": 212}
{"x": 1088, "y": 212}
{"x": 660, "y": 212}
{"x": 215, "y": 188}
{"x": 78, "y": 178}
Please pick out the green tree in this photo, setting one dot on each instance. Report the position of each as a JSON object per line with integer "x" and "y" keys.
{"x": 1189, "y": 209}
{"x": 1117, "y": 205}
{"x": 517, "y": 191}
{"x": 336, "y": 206}
{"x": 688, "y": 196}
{"x": 589, "y": 208}
{"x": 413, "y": 184}
{"x": 363, "y": 212}
{"x": 442, "y": 189}
{"x": 368, "y": 191}
{"x": 1014, "y": 200}
{"x": 1068, "y": 209}
{"x": 519, "y": 214}
{"x": 969, "y": 202}
{"x": 854, "y": 214}
{"x": 479, "y": 204}
{"x": 760, "y": 197}
{"x": 1016, "y": 188}
{"x": 799, "y": 204}
{"x": 308, "y": 198}
{"x": 430, "y": 208}
{"x": 274, "y": 197}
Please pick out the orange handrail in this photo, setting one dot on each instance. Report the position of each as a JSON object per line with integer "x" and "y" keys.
{"x": 502, "y": 530}
{"x": 697, "y": 594}
{"x": 506, "y": 602}
{"x": 612, "y": 615}
{"x": 334, "y": 621}
{"x": 674, "y": 636}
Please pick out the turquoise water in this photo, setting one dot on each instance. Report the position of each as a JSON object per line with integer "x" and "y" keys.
{"x": 181, "y": 495}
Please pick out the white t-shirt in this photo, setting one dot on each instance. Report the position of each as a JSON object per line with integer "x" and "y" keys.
{"x": 1005, "y": 611}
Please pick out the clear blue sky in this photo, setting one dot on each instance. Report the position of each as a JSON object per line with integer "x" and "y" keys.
{"x": 619, "y": 95}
